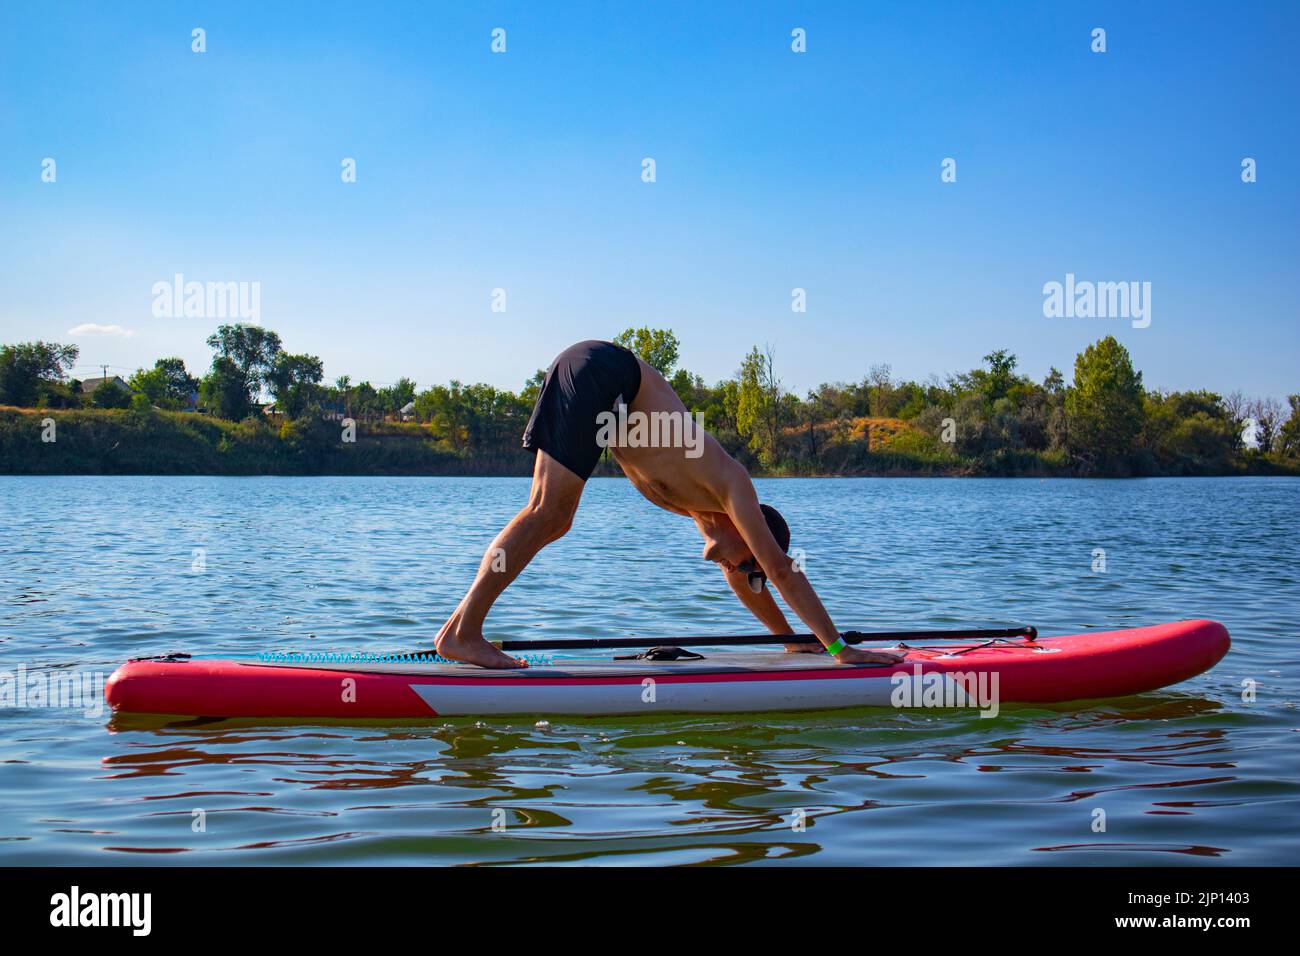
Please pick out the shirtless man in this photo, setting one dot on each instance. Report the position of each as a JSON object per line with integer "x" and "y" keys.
{"x": 746, "y": 539}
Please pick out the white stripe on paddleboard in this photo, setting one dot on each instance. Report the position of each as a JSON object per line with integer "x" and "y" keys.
{"x": 526, "y": 697}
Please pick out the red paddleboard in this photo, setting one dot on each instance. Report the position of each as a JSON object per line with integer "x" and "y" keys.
{"x": 955, "y": 674}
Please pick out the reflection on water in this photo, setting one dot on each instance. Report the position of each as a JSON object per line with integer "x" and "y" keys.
{"x": 644, "y": 790}
{"x": 1190, "y": 775}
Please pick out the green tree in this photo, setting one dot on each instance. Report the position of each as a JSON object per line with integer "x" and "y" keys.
{"x": 533, "y": 387}
{"x": 690, "y": 389}
{"x": 293, "y": 381}
{"x": 1105, "y": 406}
{"x": 397, "y": 395}
{"x": 342, "y": 391}
{"x": 1288, "y": 435}
{"x": 152, "y": 384}
{"x": 445, "y": 408}
{"x": 167, "y": 384}
{"x": 910, "y": 399}
{"x": 247, "y": 354}
{"x": 494, "y": 417}
{"x": 996, "y": 382}
{"x": 181, "y": 385}
{"x": 759, "y": 410}
{"x": 728, "y": 405}
{"x": 224, "y": 391}
{"x": 658, "y": 347}
{"x": 26, "y": 369}
{"x": 110, "y": 395}
{"x": 366, "y": 402}
{"x": 1189, "y": 433}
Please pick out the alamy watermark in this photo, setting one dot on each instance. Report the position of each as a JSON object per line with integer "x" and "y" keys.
{"x": 624, "y": 429}
{"x": 179, "y": 299}
{"x": 1098, "y": 300}
{"x": 74, "y": 690}
{"x": 946, "y": 689}
{"x": 132, "y": 911}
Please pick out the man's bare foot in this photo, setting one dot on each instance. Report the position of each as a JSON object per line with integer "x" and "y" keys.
{"x": 854, "y": 655}
{"x": 468, "y": 648}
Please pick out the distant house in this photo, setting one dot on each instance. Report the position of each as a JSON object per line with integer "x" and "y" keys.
{"x": 408, "y": 411}
{"x": 88, "y": 385}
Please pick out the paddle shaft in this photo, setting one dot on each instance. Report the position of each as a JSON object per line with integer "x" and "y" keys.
{"x": 741, "y": 640}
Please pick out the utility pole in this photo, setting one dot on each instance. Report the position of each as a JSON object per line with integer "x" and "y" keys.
{"x": 105, "y": 368}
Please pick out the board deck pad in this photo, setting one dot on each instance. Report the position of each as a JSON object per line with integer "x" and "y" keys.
{"x": 714, "y": 662}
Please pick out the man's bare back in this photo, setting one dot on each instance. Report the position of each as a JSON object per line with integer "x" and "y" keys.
{"x": 666, "y": 476}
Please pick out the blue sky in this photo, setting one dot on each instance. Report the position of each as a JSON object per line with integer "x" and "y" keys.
{"x": 775, "y": 171}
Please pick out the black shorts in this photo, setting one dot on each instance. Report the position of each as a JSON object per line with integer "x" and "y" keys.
{"x": 583, "y": 381}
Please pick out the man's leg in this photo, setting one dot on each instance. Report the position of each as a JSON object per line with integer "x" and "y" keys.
{"x": 546, "y": 518}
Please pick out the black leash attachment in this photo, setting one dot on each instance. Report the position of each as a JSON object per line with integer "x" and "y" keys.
{"x": 664, "y": 653}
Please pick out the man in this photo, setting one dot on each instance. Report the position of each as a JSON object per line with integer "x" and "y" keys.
{"x": 585, "y": 388}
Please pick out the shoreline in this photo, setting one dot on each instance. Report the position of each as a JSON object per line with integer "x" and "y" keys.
{"x": 160, "y": 443}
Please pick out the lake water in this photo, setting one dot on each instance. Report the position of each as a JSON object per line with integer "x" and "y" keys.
{"x": 95, "y": 570}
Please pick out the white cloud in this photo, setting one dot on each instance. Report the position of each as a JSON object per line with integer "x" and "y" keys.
{"x": 91, "y": 328}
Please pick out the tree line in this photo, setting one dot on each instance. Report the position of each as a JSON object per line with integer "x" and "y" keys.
{"x": 989, "y": 420}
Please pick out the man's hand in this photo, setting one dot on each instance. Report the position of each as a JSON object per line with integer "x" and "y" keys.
{"x": 854, "y": 655}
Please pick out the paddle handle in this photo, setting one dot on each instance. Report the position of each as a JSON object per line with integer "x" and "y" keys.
{"x": 741, "y": 640}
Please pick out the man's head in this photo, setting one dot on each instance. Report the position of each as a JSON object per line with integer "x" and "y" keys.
{"x": 776, "y": 524}
{"x": 724, "y": 545}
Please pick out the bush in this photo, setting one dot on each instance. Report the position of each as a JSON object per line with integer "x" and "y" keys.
{"x": 110, "y": 395}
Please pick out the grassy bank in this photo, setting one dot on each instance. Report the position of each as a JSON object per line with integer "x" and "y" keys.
{"x": 124, "y": 442}
{"x": 892, "y": 447}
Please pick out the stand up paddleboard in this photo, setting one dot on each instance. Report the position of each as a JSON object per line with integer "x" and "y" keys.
{"x": 968, "y": 669}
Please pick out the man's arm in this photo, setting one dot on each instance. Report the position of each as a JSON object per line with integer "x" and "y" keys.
{"x": 793, "y": 585}
{"x": 760, "y": 605}
{"x": 764, "y": 607}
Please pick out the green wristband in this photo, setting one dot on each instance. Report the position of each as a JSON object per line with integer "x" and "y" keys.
{"x": 839, "y": 645}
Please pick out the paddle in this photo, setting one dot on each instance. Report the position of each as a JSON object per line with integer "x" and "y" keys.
{"x": 734, "y": 640}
